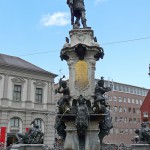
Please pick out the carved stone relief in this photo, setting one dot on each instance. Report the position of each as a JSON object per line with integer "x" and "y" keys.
{"x": 18, "y": 80}
{"x": 39, "y": 83}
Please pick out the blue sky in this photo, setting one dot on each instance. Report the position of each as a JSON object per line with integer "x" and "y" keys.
{"x": 35, "y": 30}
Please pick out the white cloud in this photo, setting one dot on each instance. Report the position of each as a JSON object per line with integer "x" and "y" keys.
{"x": 98, "y": 1}
{"x": 56, "y": 19}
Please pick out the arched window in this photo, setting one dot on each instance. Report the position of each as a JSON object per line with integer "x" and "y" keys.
{"x": 15, "y": 125}
{"x": 40, "y": 123}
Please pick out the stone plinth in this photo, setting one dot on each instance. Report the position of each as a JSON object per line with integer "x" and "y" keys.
{"x": 28, "y": 147}
{"x": 91, "y": 140}
{"x": 81, "y": 54}
{"x": 140, "y": 146}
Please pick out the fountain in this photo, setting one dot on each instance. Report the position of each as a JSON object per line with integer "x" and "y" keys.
{"x": 83, "y": 119}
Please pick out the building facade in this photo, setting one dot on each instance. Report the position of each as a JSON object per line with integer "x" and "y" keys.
{"x": 26, "y": 94}
{"x": 125, "y": 102}
{"x": 145, "y": 108}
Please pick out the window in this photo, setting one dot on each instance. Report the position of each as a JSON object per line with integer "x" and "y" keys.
{"x": 127, "y": 89}
{"x": 138, "y": 91}
{"x": 140, "y": 102}
{"x": 120, "y": 109}
{"x": 134, "y": 110}
{"x": 120, "y": 87}
{"x": 137, "y": 101}
{"x": 125, "y": 99}
{"x": 138, "y": 120}
{"x": 125, "y": 109}
{"x": 119, "y": 99}
{"x": 121, "y": 131}
{"x": 15, "y": 125}
{"x": 40, "y": 122}
{"x": 126, "y": 130}
{"x": 117, "y": 87}
{"x": 17, "y": 93}
{"x": 131, "y": 90}
{"x": 130, "y": 120}
{"x": 135, "y": 91}
{"x": 145, "y": 114}
{"x": 125, "y": 119}
{"x": 39, "y": 95}
{"x": 115, "y": 98}
{"x": 115, "y": 108}
{"x": 129, "y": 109}
{"x": 134, "y": 120}
{"x": 138, "y": 111}
{"x": 129, "y": 101}
{"x": 14, "y": 122}
{"x": 143, "y": 92}
{"x": 120, "y": 119}
{"x": 133, "y": 101}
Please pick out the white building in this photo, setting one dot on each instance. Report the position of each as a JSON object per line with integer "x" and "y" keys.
{"x": 26, "y": 94}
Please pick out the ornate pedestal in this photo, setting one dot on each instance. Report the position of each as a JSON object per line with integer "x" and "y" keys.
{"x": 81, "y": 54}
{"x": 91, "y": 141}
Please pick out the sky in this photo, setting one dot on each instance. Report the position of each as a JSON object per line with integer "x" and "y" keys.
{"x": 35, "y": 31}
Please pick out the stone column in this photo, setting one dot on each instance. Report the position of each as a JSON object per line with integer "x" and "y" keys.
{"x": 29, "y": 90}
{"x": 49, "y": 93}
{"x": 52, "y": 93}
{"x": 29, "y": 104}
{"x": 5, "y": 87}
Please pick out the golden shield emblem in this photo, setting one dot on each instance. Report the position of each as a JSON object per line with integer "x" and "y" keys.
{"x": 81, "y": 75}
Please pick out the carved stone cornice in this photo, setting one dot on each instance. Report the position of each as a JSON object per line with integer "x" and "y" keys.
{"x": 39, "y": 83}
{"x": 97, "y": 51}
{"x": 18, "y": 80}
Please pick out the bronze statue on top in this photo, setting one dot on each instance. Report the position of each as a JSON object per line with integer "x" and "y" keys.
{"x": 77, "y": 9}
